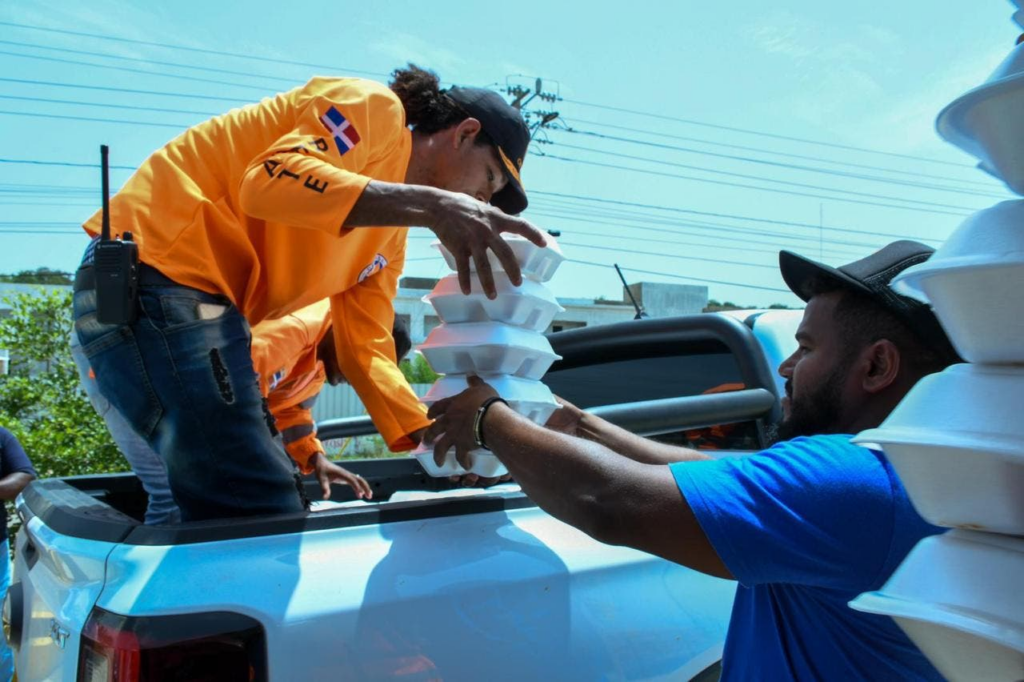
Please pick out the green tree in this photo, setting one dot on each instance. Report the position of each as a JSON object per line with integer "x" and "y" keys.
{"x": 41, "y": 401}
{"x": 417, "y": 370}
{"x": 38, "y": 276}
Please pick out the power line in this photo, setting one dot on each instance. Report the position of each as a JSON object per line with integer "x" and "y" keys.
{"x": 107, "y": 105}
{"x": 712, "y": 214}
{"x": 138, "y": 60}
{"x": 677, "y": 276}
{"x": 665, "y": 255}
{"x": 723, "y": 183}
{"x": 760, "y": 133}
{"x": 746, "y": 176}
{"x": 33, "y": 162}
{"x": 130, "y": 91}
{"x": 766, "y": 162}
{"x": 128, "y": 69}
{"x": 804, "y": 157}
{"x": 170, "y": 46}
{"x": 717, "y": 228}
{"x": 39, "y": 114}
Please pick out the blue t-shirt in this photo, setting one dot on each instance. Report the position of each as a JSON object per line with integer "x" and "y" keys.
{"x": 805, "y": 527}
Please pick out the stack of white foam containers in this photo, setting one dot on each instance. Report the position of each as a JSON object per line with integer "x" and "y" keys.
{"x": 501, "y": 340}
{"x": 957, "y": 440}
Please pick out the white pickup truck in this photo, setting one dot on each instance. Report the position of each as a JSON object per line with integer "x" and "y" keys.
{"x": 425, "y": 582}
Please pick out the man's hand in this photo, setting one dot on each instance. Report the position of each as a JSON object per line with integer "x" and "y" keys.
{"x": 328, "y": 472}
{"x": 453, "y": 422}
{"x": 468, "y": 228}
{"x": 565, "y": 419}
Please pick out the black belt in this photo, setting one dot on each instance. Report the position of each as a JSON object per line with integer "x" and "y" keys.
{"x": 85, "y": 278}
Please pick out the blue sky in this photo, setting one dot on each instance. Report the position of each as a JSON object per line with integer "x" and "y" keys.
{"x": 715, "y": 107}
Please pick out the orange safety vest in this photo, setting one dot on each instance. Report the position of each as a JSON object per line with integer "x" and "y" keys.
{"x": 291, "y": 376}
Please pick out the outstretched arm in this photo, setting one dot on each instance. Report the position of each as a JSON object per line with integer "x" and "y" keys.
{"x": 573, "y": 421}
{"x": 613, "y": 498}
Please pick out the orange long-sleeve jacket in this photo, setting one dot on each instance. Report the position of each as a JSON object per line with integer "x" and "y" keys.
{"x": 250, "y": 204}
{"x": 291, "y": 376}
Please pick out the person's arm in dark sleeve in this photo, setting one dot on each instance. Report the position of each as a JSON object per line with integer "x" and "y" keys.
{"x": 17, "y": 470}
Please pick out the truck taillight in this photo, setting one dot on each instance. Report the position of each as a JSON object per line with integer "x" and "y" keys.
{"x": 199, "y": 647}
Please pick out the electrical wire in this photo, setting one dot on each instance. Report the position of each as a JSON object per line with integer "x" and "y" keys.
{"x": 108, "y": 105}
{"x": 128, "y": 69}
{"x": 678, "y": 276}
{"x": 760, "y": 133}
{"x": 713, "y": 214}
{"x": 171, "y": 46}
{"x": 130, "y": 91}
{"x": 746, "y": 176}
{"x": 40, "y": 114}
{"x": 138, "y": 60}
{"x": 774, "y": 164}
{"x": 803, "y": 157}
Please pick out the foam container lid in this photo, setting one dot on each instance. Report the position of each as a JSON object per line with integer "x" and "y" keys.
{"x": 483, "y": 463}
{"x": 488, "y": 348}
{"x": 973, "y": 282}
{"x": 530, "y": 306}
{"x": 511, "y": 388}
{"x": 991, "y": 237}
{"x": 985, "y": 122}
{"x": 959, "y": 597}
{"x": 957, "y": 443}
{"x": 538, "y": 263}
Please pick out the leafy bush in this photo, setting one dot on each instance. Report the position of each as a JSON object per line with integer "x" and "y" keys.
{"x": 417, "y": 370}
{"x": 41, "y": 401}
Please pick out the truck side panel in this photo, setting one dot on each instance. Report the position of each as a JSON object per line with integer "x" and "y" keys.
{"x": 510, "y": 595}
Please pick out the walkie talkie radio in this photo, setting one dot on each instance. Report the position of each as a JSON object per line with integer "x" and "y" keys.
{"x": 116, "y": 263}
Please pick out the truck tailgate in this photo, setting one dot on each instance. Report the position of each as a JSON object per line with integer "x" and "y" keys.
{"x": 56, "y": 580}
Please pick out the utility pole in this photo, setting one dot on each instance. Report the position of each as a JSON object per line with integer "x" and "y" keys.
{"x": 524, "y": 93}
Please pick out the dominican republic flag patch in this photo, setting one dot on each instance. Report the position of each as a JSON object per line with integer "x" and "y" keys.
{"x": 344, "y": 133}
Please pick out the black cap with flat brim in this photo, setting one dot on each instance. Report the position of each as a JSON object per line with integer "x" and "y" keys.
{"x": 870, "y": 277}
{"x": 505, "y": 126}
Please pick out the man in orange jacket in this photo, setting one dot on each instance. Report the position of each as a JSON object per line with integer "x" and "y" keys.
{"x": 270, "y": 208}
{"x": 293, "y": 357}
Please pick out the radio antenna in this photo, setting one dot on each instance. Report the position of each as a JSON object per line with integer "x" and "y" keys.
{"x": 640, "y": 314}
{"x": 105, "y": 165}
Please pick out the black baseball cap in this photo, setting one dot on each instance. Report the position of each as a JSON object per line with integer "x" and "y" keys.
{"x": 505, "y": 126}
{"x": 870, "y": 277}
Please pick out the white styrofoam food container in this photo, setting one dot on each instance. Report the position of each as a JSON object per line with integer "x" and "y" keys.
{"x": 538, "y": 263}
{"x": 957, "y": 442}
{"x": 530, "y": 306}
{"x": 482, "y": 463}
{"x": 986, "y": 121}
{"x": 974, "y": 283}
{"x": 488, "y": 348}
{"x": 530, "y": 398}
{"x": 958, "y": 597}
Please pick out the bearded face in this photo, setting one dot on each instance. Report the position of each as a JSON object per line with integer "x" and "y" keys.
{"x": 816, "y": 410}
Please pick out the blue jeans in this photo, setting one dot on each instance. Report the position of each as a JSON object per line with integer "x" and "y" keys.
{"x": 147, "y": 465}
{"x": 6, "y": 655}
{"x": 182, "y": 377}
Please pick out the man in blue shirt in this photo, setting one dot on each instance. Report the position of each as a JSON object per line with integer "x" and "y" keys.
{"x": 804, "y": 526}
{"x": 16, "y": 472}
